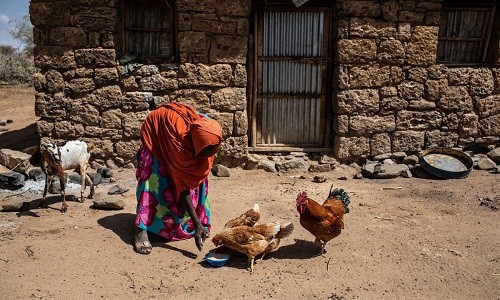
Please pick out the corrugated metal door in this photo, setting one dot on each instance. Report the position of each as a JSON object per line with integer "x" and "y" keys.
{"x": 291, "y": 69}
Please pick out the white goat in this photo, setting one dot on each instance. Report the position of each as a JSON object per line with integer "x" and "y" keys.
{"x": 55, "y": 160}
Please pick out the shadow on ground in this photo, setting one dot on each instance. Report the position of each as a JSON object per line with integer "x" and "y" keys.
{"x": 20, "y": 139}
{"x": 122, "y": 224}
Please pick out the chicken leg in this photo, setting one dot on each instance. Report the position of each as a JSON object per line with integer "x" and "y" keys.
{"x": 250, "y": 262}
{"x": 322, "y": 244}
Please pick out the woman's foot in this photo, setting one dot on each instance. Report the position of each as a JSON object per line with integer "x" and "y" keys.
{"x": 141, "y": 243}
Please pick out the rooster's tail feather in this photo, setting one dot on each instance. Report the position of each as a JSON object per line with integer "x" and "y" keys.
{"x": 341, "y": 195}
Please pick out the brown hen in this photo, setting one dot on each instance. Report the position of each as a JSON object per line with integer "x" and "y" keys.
{"x": 248, "y": 218}
{"x": 250, "y": 241}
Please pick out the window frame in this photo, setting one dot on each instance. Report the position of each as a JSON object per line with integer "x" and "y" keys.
{"x": 484, "y": 40}
{"x": 173, "y": 56}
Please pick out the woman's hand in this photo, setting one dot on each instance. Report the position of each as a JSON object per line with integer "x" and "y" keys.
{"x": 200, "y": 232}
{"x": 200, "y": 235}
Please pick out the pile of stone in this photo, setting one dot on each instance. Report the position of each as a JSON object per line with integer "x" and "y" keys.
{"x": 408, "y": 166}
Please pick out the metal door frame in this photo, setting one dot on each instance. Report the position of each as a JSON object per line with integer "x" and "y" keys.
{"x": 255, "y": 80}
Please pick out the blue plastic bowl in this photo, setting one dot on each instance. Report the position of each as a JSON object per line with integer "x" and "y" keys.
{"x": 216, "y": 259}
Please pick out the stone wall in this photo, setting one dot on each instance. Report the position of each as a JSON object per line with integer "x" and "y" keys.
{"x": 83, "y": 92}
{"x": 392, "y": 97}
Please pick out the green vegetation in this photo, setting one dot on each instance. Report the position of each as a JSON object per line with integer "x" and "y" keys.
{"x": 17, "y": 66}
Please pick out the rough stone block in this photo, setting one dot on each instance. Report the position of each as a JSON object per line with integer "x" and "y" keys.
{"x": 360, "y": 8}
{"x": 68, "y": 129}
{"x": 490, "y": 126}
{"x": 199, "y": 99}
{"x": 418, "y": 74}
{"x": 127, "y": 150}
{"x": 15, "y": 160}
{"x": 106, "y": 97}
{"x": 422, "y": 47}
{"x": 391, "y": 51}
{"x": 380, "y": 143}
{"x": 49, "y": 13}
{"x": 341, "y": 124}
{"x": 240, "y": 123}
{"x": 54, "y": 81}
{"x": 158, "y": 83}
{"x": 95, "y": 17}
{"x": 371, "y": 28}
{"x": 418, "y": 120}
{"x": 357, "y": 101}
{"x": 81, "y": 85}
{"x": 132, "y": 124}
{"x": 105, "y": 76}
{"x": 469, "y": 124}
{"x": 68, "y": 36}
{"x": 367, "y": 125}
{"x": 228, "y": 49}
{"x": 206, "y": 6}
{"x": 408, "y": 141}
{"x": 488, "y": 106}
{"x": 437, "y": 138}
{"x": 51, "y": 106}
{"x": 234, "y": 8}
{"x": 456, "y": 98}
{"x": 54, "y": 57}
{"x": 239, "y": 78}
{"x": 435, "y": 88}
{"x": 369, "y": 76}
{"x": 459, "y": 76}
{"x": 393, "y": 104}
{"x": 351, "y": 147}
{"x": 481, "y": 82}
{"x": 112, "y": 119}
{"x": 84, "y": 113}
{"x": 411, "y": 90}
{"x": 229, "y": 99}
{"x": 203, "y": 75}
{"x": 357, "y": 50}
{"x": 226, "y": 121}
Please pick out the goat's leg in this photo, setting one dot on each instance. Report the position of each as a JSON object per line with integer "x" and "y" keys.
{"x": 62, "y": 182}
{"x": 84, "y": 184}
{"x": 48, "y": 180}
{"x": 92, "y": 188}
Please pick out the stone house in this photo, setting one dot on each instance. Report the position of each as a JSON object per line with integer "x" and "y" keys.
{"x": 359, "y": 78}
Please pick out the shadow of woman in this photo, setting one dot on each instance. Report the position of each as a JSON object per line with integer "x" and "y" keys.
{"x": 123, "y": 225}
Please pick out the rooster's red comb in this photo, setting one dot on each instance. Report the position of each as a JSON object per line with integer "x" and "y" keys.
{"x": 301, "y": 196}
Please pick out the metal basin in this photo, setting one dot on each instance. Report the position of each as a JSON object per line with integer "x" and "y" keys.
{"x": 446, "y": 162}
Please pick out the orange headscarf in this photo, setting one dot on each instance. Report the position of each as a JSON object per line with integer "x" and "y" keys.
{"x": 175, "y": 133}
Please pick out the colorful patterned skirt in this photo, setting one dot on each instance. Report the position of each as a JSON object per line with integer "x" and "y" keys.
{"x": 157, "y": 210}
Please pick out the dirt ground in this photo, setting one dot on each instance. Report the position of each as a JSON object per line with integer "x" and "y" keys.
{"x": 431, "y": 239}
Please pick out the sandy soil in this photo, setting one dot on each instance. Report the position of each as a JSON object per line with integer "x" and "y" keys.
{"x": 428, "y": 240}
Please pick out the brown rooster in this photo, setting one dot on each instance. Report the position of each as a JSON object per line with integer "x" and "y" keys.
{"x": 325, "y": 221}
{"x": 250, "y": 241}
{"x": 248, "y": 218}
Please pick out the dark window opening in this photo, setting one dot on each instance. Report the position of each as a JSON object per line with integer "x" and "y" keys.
{"x": 464, "y": 33}
{"x": 148, "y": 31}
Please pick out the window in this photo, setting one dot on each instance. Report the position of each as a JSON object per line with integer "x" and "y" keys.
{"x": 464, "y": 33}
{"x": 148, "y": 30}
